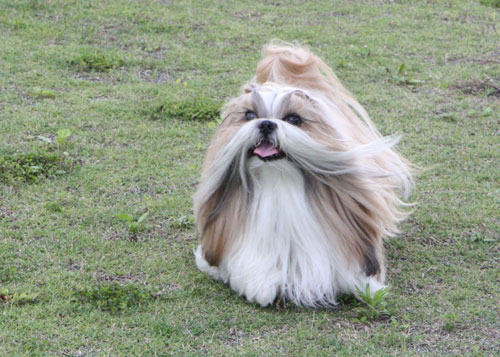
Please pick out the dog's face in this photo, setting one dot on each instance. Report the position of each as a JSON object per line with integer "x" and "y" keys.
{"x": 272, "y": 122}
{"x": 274, "y": 110}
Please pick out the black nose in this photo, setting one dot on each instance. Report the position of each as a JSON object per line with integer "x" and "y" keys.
{"x": 267, "y": 127}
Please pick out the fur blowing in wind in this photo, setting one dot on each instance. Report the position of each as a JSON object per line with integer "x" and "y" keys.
{"x": 298, "y": 188}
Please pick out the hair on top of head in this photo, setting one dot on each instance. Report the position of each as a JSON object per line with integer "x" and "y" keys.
{"x": 295, "y": 65}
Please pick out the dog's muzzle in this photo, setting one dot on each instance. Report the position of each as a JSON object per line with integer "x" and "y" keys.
{"x": 266, "y": 149}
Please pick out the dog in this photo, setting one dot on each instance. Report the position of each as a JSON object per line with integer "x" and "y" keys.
{"x": 298, "y": 188}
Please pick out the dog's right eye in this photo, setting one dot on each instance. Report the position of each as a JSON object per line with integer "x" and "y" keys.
{"x": 249, "y": 115}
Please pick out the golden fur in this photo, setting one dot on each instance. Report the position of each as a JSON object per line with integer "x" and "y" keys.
{"x": 360, "y": 206}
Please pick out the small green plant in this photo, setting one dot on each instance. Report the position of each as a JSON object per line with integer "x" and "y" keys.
{"x": 60, "y": 140}
{"x": 134, "y": 225}
{"x": 31, "y": 167}
{"x": 401, "y": 76}
{"x": 449, "y": 117}
{"x": 54, "y": 207}
{"x": 375, "y": 306}
{"x": 450, "y": 321}
{"x": 113, "y": 297}
{"x": 18, "y": 298}
{"x": 166, "y": 329}
{"x": 19, "y": 25}
{"x": 62, "y": 136}
{"x": 184, "y": 222}
{"x": 95, "y": 60}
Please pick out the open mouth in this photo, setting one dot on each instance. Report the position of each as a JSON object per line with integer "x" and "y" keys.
{"x": 266, "y": 151}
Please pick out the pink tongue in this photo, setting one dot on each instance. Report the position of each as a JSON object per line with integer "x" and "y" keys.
{"x": 265, "y": 149}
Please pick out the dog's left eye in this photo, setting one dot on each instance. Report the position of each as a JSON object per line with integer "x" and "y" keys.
{"x": 293, "y": 119}
{"x": 249, "y": 115}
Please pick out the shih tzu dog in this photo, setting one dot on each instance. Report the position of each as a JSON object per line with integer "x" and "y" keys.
{"x": 298, "y": 188}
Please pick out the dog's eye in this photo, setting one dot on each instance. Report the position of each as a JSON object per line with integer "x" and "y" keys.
{"x": 293, "y": 119}
{"x": 249, "y": 115}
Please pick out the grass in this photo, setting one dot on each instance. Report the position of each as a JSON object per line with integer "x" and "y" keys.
{"x": 136, "y": 87}
{"x": 30, "y": 167}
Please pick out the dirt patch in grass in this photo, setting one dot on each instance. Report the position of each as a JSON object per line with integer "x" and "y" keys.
{"x": 488, "y": 87}
{"x": 88, "y": 77}
{"x": 234, "y": 337}
{"x": 464, "y": 338}
{"x": 151, "y": 76}
{"x": 7, "y": 214}
{"x": 488, "y": 58}
{"x": 102, "y": 276}
{"x": 248, "y": 15}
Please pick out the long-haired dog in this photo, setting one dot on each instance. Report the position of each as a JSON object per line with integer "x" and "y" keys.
{"x": 298, "y": 188}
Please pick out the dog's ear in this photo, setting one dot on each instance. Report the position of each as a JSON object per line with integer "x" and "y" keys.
{"x": 219, "y": 216}
{"x": 219, "y": 223}
{"x": 357, "y": 217}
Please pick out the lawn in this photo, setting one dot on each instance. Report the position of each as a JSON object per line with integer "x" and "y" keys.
{"x": 106, "y": 110}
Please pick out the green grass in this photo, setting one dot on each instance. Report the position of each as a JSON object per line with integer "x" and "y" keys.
{"x": 132, "y": 89}
{"x": 30, "y": 167}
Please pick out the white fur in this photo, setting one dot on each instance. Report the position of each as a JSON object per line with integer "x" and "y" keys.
{"x": 283, "y": 249}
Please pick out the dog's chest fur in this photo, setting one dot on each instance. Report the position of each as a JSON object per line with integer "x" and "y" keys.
{"x": 282, "y": 249}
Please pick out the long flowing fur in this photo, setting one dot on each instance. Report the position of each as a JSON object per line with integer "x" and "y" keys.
{"x": 310, "y": 225}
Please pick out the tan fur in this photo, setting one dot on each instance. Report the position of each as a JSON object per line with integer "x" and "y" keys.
{"x": 359, "y": 211}
{"x": 217, "y": 235}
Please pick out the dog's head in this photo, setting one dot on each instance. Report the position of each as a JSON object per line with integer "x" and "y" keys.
{"x": 273, "y": 122}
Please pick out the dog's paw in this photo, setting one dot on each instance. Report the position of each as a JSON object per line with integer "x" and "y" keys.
{"x": 259, "y": 292}
{"x": 264, "y": 297}
{"x": 203, "y": 265}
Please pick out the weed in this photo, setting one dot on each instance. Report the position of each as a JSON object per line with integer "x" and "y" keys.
{"x": 61, "y": 139}
{"x": 31, "y": 167}
{"x": 487, "y": 87}
{"x": 22, "y": 298}
{"x": 401, "y": 77}
{"x": 7, "y": 273}
{"x": 19, "y": 25}
{"x": 184, "y": 222}
{"x": 199, "y": 108}
{"x": 53, "y": 206}
{"x": 134, "y": 225}
{"x": 375, "y": 306}
{"x": 63, "y": 135}
{"x": 114, "y": 297}
{"x": 450, "y": 321}
{"x": 449, "y": 117}
{"x": 92, "y": 59}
